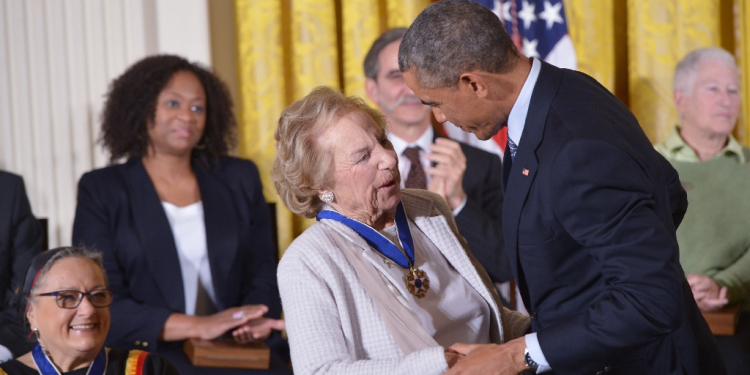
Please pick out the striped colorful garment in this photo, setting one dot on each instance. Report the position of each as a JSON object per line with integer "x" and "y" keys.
{"x": 120, "y": 362}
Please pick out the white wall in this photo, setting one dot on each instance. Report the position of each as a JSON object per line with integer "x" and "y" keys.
{"x": 57, "y": 58}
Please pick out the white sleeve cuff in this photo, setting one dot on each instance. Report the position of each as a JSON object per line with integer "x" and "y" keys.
{"x": 5, "y": 354}
{"x": 460, "y": 206}
{"x": 535, "y": 352}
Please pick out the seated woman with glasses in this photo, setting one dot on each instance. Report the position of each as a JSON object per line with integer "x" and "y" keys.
{"x": 70, "y": 329}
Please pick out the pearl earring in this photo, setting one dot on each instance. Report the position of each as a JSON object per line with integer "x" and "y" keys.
{"x": 327, "y": 197}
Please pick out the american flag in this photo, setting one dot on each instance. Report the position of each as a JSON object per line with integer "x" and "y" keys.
{"x": 538, "y": 28}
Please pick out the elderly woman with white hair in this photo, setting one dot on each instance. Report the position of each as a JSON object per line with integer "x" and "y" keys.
{"x": 383, "y": 283}
{"x": 714, "y": 169}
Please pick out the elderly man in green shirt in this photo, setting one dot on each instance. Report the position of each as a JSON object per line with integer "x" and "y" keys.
{"x": 714, "y": 169}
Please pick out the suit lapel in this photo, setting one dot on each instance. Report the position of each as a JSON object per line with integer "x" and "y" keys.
{"x": 525, "y": 165}
{"x": 221, "y": 222}
{"x": 155, "y": 234}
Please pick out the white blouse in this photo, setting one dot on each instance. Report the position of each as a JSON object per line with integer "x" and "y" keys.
{"x": 451, "y": 311}
{"x": 189, "y": 231}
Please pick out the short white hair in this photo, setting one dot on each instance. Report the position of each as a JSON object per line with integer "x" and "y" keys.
{"x": 685, "y": 73}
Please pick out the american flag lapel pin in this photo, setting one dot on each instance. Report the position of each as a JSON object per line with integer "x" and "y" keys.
{"x": 525, "y": 172}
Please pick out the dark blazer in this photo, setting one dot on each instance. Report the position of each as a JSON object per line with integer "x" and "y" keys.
{"x": 120, "y": 214}
{"x": 20, "y": 241}
{"x": 590, "y": 216}
{"x": 480, "y": 221}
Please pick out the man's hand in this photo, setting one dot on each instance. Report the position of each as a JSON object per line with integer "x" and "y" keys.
{"x": 490, "y": 359}
{"x": 707, "y": 293}
{"x": 452, "y": 357}
{"x": 448, "y": 173}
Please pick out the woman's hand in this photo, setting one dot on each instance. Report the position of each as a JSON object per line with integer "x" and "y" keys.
{"x": 257, "y": 329}
{"x": 213, "y": 326}
{"x": 181, "y": 327}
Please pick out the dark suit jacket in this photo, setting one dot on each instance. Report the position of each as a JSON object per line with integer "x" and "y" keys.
{"x": 119, "y": 214}
{"x": 590, "y": 216}
{"x": 20, "y": 240}
{"x": 480, "y": 221}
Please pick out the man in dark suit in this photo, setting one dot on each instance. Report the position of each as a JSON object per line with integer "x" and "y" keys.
{"x": 468, "y": 178}
{"x": 20, "y": 240}
{"x": 590, "y": 207}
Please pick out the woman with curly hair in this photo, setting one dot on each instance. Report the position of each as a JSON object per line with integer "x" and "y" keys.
{"x": 183, "y": 227}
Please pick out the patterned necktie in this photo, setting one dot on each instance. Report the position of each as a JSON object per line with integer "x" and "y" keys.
{"x": 513, "y": 148}
{"x": 416, "y": 178}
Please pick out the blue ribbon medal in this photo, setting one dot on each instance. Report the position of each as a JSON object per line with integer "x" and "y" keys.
{"x": 417, "y": 282}
{"x": 45, "y": 366}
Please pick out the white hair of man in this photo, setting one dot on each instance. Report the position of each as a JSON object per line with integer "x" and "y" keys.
{"x": 687, "y": 68}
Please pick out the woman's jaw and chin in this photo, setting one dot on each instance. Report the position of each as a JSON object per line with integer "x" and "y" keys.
{"x": 380, "y": 211}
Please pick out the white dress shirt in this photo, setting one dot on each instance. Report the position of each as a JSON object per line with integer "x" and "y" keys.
{"x": 189, "y": 231}
{"x": 516, "y": 123}
{"x": 404, "y": 164}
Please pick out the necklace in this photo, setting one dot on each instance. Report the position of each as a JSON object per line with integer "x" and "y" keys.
{"x": 417, "y": 282}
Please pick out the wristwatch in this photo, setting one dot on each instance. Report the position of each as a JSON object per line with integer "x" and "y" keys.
{"x": 530, "y": 364}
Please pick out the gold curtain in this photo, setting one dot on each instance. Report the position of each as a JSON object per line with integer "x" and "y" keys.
{"x": 742, "y": 50}
{"x": 288, "y": 47}
{"x": 633, "y": 46}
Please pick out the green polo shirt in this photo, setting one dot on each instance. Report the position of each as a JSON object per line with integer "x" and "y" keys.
{"x": 714, "y": 236}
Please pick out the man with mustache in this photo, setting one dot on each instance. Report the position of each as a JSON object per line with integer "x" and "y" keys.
{"x": 468, "y": 178}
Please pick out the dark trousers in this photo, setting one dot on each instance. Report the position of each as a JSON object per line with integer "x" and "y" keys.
{"x": 736, "y": 349}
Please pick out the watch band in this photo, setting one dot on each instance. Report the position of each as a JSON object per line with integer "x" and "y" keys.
{"x": 530, "y": 364}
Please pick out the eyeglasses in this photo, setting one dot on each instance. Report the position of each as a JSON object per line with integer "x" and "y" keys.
{"x": 70, "y": 299}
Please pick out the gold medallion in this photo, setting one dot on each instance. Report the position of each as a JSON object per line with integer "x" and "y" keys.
{"x": 417, "y": 282}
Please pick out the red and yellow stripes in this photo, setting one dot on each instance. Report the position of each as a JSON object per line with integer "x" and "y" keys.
{"x": 134, "y": 364}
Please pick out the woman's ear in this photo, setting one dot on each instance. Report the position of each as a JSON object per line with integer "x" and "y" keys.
{"x": 31, "y": 314}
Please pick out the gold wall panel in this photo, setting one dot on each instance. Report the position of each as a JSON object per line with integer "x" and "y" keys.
{"x": 361, "y": 26}
{"x": 591, "y": 27}
{"x": 401, "y": 13}
{"x": 314, "y": 46}
{"x": 262, "y": 94}
{"x": 315, "y": 59}
{"x": 660, "y": 33}
{"x": 742, "y": 40}
{"x": 261, "y": 82}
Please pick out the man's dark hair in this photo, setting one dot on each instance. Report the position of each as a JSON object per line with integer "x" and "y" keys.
{"x": 372, "y": 62}
{"x": 451, "y": 37}
{"x": 131, "y": 105}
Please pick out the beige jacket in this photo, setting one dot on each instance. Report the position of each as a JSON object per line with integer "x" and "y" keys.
{"x": 339, "y": 325}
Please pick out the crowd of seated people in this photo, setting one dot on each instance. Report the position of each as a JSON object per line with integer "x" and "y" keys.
{"x": 174, "y": 242}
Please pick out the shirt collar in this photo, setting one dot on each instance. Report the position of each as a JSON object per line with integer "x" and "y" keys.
{"x": 676, "y": 148}
{"x": 424, "y": 141}
{"x": 517, "y": 116}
